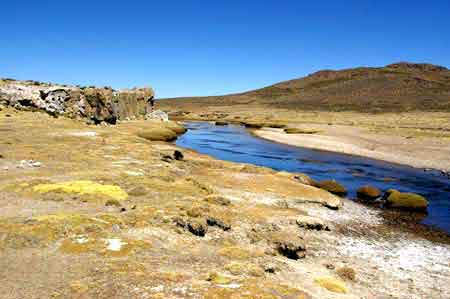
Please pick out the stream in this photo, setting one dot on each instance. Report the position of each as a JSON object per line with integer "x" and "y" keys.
{"x": 235, "y": 143}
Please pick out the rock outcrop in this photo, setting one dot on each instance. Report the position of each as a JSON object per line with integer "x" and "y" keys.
{"x": 158, "y": 115}
{"x": 96, "y": 105}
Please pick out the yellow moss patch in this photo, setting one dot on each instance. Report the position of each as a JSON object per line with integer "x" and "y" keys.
{"x": 83, "y": 188}
{"x": 332, "y": 284}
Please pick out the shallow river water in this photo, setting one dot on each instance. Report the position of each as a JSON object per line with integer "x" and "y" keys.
{"x": 235, "y": 143}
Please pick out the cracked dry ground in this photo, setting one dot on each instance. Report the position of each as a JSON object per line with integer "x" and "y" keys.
{"x": 196, "y": 228}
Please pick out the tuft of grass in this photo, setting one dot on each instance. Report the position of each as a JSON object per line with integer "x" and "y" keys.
{"x": 112, "y": 203}
{"x": 346, "y": 273}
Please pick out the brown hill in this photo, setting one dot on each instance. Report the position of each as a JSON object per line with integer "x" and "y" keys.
{"x": 395, "y": 87}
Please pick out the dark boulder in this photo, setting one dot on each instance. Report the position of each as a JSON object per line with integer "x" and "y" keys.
{"x": 195, "y": 226}
{"x": 213, "y": 221}
{"x": 292, "y": 247}
{"x": 177, "y": 155}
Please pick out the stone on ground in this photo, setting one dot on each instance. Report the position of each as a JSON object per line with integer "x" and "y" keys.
{"x": 292, "y": 247}
{"x": 311, "y": 223}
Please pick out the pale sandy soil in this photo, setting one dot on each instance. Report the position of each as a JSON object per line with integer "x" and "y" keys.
{"x": 421, "y": 152}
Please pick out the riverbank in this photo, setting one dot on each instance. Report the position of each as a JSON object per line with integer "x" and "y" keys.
{"x": 418, "y": 139}
{"x": 428, "y": 153}
{"x": 99, "y": 212}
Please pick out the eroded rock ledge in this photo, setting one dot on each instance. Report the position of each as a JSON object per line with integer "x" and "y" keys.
{"x": 96, "y": 105}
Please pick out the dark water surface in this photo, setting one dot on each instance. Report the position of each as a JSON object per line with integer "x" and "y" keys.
{"x": 235, "y": 143}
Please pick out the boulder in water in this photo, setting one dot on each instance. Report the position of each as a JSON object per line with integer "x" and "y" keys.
{"x": 406, "y": 201}
{"x": 368, "y": 193}
{"x": 387, "y": 193}
{"x": 332, "y": 186}
{"x": 221, "y": 123}
{"x": 176, "y": 127}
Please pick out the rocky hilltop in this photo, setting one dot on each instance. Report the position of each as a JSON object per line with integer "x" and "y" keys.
{"x": 94, "y": 104}
{"x": 396, "y": 87}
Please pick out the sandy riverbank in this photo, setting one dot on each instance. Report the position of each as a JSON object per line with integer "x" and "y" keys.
{"x": 418, "y": 139}
{"x": 424, "y": 152}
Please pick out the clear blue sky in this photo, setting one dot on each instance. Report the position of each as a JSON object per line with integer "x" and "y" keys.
{"x": 186, "y": 48}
